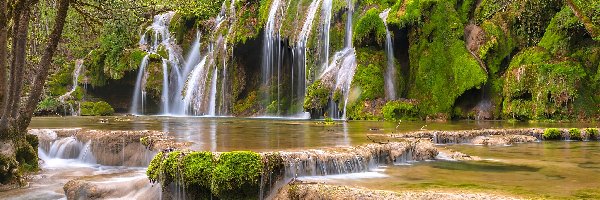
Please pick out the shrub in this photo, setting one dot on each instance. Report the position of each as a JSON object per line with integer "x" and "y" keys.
{"x": 552, "y": 134}
{"x": 99, "y": 108}
{"x": 396, "y": 110}
{"x": 575, "y": 134}
{"x": 592, "y": 133}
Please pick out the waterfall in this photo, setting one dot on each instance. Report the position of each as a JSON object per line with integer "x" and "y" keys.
{"x": 195, "y": 87}
{"x": 68, "y": 148}
{"x": 155, "y": 36}
{"x": 341, "y": 69}
{"x": 165, "y": 87}
{"x": 213, "y": 93}
{"x": 299, "y": 55}
{"x": 139, "y": 90}
{"x": 271, "y": 54}
{"x": 390, "y": 71}
{"x": 326, "y": 17}
{"x": 79, "y": 67}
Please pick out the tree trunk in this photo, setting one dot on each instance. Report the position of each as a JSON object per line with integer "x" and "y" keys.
{"x": 42, "y": 70}
{"x": 3, "y": 38}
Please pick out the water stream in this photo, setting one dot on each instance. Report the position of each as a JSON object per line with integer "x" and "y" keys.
{"x": 390, "y": 70}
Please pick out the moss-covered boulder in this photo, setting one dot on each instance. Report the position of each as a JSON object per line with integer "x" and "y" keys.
{"x": 228, "y": 175}
{"x": 100, "y": 108}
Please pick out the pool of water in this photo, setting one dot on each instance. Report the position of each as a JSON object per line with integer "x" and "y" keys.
{"x": 556, "y": 170}
{"x": 226, "y": 134}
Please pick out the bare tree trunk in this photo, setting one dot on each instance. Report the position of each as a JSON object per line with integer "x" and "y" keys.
{"x": 19, "y": 54}
{"x": 37, "y": 86}
{"x": 3, "y": 54}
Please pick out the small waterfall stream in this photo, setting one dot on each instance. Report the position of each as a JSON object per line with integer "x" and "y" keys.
{"x": 341, "y": 69}
{"x": 79, "y": 68}
{"x": 272, "y": 56}
{"x": 390, "y": 70}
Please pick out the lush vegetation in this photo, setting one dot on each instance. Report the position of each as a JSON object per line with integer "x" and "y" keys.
{"x": 229, "y": 175}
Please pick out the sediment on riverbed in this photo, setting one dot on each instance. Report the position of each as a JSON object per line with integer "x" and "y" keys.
{"x": 310, "y": 190}
{"x": 240, "y": 173}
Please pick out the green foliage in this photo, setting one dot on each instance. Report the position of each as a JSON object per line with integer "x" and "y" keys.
{"x": 397, "y": 110}
{"x": 251, "y": 16}
{"x": 487, "y": 9}
{"x": 237, "y": 175}
{"x": 370, "y": 30}
{"x": 317, "y": 96}
{"x": 170, "y": 168}
{"x": 7, "y": 171}
{"x": 329, "y": 120}
{"x": 244, "y": 105}
{"x": 153, "y": 172}
{"x": 369, "y": 75}
{"x": 49, "y": 104}
{"x": 593, "y": 133}
{"x": 562, "y": 33}
{"x": 99, "y": 108}
{"x": 536, "y": 87}
{"x": 197, "y": 172}
{"x": 441, "y": 67}
{"x": 498, "y": 46}
{"x": 575, "y": 134}
{"x": 552, "y": 134}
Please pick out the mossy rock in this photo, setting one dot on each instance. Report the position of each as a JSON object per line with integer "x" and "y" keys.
{"x": 369, "y": 75}
{"x": 237, "y": 175}
{"x": 552, "y": 134}
{"x": 575, "y": 134}
{"x": 370, "y": 30}
{"x": 441, "y": 67}
{"x": 400, "y": 110}
{"x": 8, "y": 169}
{"x": 536, "y": 87}
{"x": 100, "y": 108}
{"x": 197, "y": 172}
{"x": 317, "y": 97}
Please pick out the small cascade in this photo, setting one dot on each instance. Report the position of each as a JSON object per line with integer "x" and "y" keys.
{"x": 354, "y": 159}
{"x": 79, "y": 68}
{"x": 326, "y": 25}
{"x": 139, "y": 92}
{"x": 196, "y": 80}
{"x": 272, "y": 57}
{"x": 213, "y": 93}
{"x": 155, "y": 37}
{"x": 165, "y": 86}
{"x": 341, "y": 70}
{"x": 390, "y": 71}
{"x": 298, "y": 83}
{"x": 68, "y": 148}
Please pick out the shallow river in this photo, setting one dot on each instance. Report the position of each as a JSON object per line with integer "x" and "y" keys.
{"x": 546, "y": 169}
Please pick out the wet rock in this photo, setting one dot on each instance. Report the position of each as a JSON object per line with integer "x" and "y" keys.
{"x": 301, "y": 190}
{"x": 120, "y": 186}
{"x": 483, "y": 136}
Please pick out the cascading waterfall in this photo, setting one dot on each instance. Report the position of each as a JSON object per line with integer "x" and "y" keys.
{"x": 326, "y": 21}
{"x": 165, "y": 86}
{"x": 156, "y": 35}
{"x": 390, "y": 71}
{"x": 299, "y": 52}
{"x": 213, "y": 93}
{"x": 68, "y": 148}
{"x": 139, "y": 89}
{"x": 341, "y": 69}
{"x": 271, "y": 55}
{"x": 79, "y": 67}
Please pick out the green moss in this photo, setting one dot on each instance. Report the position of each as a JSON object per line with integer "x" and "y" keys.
{"x": 237, "y": 175}
{"x": 9, "y": 166}
{"x": 317, "y": 96}
{"x": 593, "y": 133}
{"x": 441, "y": 67}
{"x": 575, "y": 134}
{"x": 498, "y": 47}
{"x": 197, "y": 173}
{"x": 153, "y": 171}
{"x": 537, "y": 87}
{"x": 246, "y": 104}
{"x": 562, "y": 33}
{"x": 370, "y": 29}
{"x": 552, "y": 134}
{"x": 369, "y": 73}
{"x": 397, "y": 110}
{"x": 364, "y": 110}
{"x": 170, "y": 168}
{"x": 99, "y": 108}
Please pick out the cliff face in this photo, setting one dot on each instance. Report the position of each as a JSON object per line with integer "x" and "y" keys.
{"x": 458, "y": 59}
